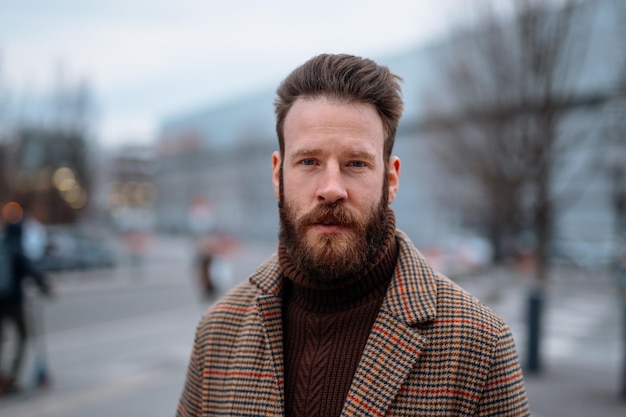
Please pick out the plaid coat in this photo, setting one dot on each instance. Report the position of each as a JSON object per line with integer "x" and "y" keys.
{"x": 434, "y": 350}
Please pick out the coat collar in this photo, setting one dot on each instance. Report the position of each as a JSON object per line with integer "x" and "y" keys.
{"x": 411, "y": 299}
{"x": 412, "y": 294}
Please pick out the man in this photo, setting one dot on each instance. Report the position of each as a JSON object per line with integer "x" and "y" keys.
{"x": 347, "y": 318}
{"x": 15, "y": 266}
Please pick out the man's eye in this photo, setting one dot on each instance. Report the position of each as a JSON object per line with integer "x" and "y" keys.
{"x": 357, "y": 164}
{"x": 308, "y": 162}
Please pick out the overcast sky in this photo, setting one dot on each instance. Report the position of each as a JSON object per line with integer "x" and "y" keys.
{"x": 147, "y": 60}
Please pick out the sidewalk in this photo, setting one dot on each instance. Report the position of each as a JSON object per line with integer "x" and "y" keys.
{"x": 578, "y": 387}
{"x": 574, "y": 391}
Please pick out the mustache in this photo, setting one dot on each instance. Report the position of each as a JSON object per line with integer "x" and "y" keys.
{"x": 331, "y": 213}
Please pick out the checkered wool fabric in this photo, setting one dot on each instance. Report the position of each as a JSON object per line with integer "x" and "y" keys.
{"x": 434, "y": 350}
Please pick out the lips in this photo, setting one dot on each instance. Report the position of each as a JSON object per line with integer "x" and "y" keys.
{"x": 328, "y": 223}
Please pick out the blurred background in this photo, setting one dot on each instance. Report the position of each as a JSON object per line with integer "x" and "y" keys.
{"x": 136, "y": 141}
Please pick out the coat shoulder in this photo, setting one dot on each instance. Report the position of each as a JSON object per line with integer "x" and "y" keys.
{"x": 236, "y": 314}
{"x": 420, "y": 294}
{"x": 454, "y": 302}
{"x": 234, "y": 305}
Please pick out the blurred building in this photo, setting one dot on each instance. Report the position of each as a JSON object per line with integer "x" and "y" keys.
{"x": 223, "y": 153}
{"x": 130, "y": 192}
{"x": 222, "y": 156}
{"x": 46, "y": 153}
{"x": 47, "y": 171}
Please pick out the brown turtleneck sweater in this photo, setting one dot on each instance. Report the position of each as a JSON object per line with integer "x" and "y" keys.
{"x": 325, "y": 331}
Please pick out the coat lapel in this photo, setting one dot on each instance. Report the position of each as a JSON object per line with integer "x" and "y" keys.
{"x": 270, "y": 312}
{"x": 395, "y": 342}
{"x": 389, "y": 356}
{"x": 268, "y": 278}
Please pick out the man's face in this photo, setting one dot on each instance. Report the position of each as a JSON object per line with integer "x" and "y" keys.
{"x": 333, "y": 185}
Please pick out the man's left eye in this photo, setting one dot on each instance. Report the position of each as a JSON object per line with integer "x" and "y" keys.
{"x": 358, "y": 164}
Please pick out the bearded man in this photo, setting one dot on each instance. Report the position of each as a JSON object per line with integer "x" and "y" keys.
{"x": 347, "y": 318}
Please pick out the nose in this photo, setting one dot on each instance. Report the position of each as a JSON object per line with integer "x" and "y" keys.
{"x": 331, "y": 188}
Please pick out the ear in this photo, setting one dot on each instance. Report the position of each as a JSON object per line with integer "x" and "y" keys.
{"x": 276, "y": 161}
{"x": 394, "y": 177}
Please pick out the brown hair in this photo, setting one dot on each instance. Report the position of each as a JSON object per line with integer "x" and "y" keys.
{"x": 346, "y": 78}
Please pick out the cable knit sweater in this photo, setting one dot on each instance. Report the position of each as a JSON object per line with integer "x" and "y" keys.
{"x": 325, "y": 331}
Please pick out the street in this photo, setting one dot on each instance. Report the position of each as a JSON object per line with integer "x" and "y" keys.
{"x": 117, "y": 341}
{"x": 117, "y": 353}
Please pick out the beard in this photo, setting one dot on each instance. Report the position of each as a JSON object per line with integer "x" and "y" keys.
{"x": 328, "y": 258}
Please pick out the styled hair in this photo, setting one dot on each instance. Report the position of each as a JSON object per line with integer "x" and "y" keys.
{"x": 348, "y": 79}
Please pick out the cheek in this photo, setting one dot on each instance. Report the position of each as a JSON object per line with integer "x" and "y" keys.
{"x": 292, "y": 197}
{"x": 296, "y": 190}
{"x": 373, "y": 193}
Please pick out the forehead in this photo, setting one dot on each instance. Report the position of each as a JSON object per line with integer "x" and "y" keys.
{"x": 316, "y": 120}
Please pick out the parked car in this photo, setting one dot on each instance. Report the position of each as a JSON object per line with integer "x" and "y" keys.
{"x": 69, "y": 248}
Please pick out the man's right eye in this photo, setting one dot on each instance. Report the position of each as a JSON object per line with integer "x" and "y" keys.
{"x": 308, "y": 162}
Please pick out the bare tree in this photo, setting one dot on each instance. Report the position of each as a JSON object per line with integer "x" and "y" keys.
{"x": 511, "y": 84}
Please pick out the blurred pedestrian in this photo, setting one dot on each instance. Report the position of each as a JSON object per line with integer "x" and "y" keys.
{"x": 347, "y": 318}
{"x": 201, "y": 225}
{"x": 214, "y": 253}
{"x": 205, "y": 251}
{"x": 15, "y": 266}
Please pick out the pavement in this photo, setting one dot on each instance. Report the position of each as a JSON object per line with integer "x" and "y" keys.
{"x": 583, "y": 343}
{"x": 584, "y": 337}
{"x": 575, "y": 390}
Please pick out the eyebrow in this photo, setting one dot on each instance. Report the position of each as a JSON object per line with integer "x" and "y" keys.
{"x": 360, "y": 155}
{"x": 306, "y": 152}
{"x": 312, "y": 152}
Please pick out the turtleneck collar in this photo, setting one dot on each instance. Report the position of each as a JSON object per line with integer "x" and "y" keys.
{"x": 370, "y": 283}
